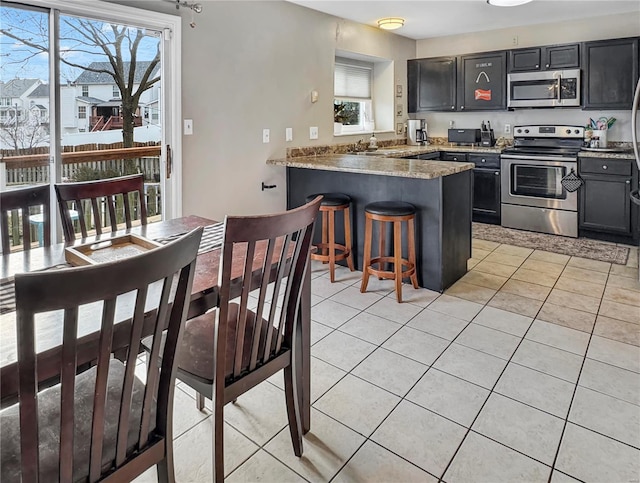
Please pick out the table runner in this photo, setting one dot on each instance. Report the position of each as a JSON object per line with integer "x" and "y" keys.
{"x": 7, "y": 296}
{"x": 212, "y": 237}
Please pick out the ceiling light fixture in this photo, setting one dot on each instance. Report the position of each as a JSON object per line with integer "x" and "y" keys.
{"x": 507, "y": 3}
{"x": 390, "y": 23}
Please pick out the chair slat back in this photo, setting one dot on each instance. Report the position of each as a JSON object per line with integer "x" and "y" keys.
{"x": 24, "y": 199}
{"x": 285, "y": 240}
{"x": 105, "y": 192}
{"x": 168, "y": 269}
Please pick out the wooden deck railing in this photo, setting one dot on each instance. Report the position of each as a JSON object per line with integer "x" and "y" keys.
{"x": 34, "y": 169}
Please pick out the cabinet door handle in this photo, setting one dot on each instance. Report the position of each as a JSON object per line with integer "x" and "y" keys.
{"x": 627, "y": 182}
{"x": 461, "y": 107}
{"x": 484, "y": 160}
{"x": 453, "y": 107}
{"x": 547, "y": 66}
{"x": 537, "y": 66}
{"x": 604, "y": 166}
{"x": 497, "y": 173}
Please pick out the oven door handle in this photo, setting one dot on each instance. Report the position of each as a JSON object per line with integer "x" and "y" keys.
{"x": 539, "y": 158}
{"x": 559, "y": 187}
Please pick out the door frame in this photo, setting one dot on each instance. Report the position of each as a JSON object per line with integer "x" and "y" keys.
{"x": 171, "y": 28}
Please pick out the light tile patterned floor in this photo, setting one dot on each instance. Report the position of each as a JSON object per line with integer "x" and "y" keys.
{"x": 527, "y": 369}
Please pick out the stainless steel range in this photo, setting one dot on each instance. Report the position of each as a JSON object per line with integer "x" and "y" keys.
{"x": 533, "y": 197}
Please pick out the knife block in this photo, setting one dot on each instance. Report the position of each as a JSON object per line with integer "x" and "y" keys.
{"x": 487, "y": 138}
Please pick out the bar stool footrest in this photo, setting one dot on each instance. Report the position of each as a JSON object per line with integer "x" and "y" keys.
{"x": 342, "y": 252}
{"x": 388, "y": 274}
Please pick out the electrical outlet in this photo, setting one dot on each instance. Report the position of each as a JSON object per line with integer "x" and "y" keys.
{"x": 265, "y": 136}
{"x": 313, "y": 132}
{"x": 514, "y": 40}
{"x": 288, "y": 134}
{"x": 507, "y": 128}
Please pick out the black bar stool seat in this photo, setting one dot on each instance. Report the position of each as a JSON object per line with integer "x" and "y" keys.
{"x": 331, "y": 199}
{"x": 394, "y": 212}
{"x": 328, "y": 251}
{"x": 390, "y": 208}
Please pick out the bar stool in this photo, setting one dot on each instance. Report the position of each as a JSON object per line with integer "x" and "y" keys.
{"x": 328, "y": 250}
{"x": 390, "y": 212}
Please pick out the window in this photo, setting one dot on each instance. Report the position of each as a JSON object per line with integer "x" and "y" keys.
{"x": 5, "y": 101}
{"x": 352, "y": 96}
{"x": 116, "y": 92}
{"x": 82, "y": 112}
{"x": 85, "y": 91}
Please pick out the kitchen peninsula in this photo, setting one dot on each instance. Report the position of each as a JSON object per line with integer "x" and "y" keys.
{"x": 441, "y": 192}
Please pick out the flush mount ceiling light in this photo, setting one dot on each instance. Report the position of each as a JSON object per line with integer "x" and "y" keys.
{"x": 507, "y": 3}
{"x": 390, "y": 23}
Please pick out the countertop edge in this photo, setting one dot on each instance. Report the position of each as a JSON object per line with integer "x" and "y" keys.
{"x": 595, "y": 154}
{"x": 325, "y": 163}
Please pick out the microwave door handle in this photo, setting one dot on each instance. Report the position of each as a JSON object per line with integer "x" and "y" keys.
{"x": 559, "y": 88}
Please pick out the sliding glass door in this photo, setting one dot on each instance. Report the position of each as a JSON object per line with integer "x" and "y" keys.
{"x": 87, "y": 97}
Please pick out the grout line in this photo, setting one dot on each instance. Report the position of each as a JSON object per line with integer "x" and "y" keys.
{"x": 429, "y": 367}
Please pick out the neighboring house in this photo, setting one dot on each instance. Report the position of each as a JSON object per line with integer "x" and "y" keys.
{"x": 39, "y": 104}
{"x": 14, "y": 98}
{"x": 100, "y": 114}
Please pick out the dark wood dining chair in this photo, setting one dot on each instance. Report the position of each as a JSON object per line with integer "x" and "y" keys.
{"x": 103, "y": 424}
{"x": 228, "y": 351}
{"x": 24, "y": 199}
{"x": 104, "y": 190}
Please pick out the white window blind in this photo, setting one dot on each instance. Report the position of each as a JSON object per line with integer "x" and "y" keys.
{"x": 352, "y": 81}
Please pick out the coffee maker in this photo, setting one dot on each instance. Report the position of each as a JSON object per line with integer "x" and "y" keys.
{"x": 416, "y": 132}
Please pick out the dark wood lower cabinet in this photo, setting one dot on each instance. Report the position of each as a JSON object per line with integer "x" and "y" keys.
{"x": 486, "y": 195}
{"x": 605, "y": 204}
{"x": 606, "y": 210}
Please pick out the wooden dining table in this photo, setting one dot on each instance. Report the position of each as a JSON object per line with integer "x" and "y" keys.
{"x": 204, "y": 296}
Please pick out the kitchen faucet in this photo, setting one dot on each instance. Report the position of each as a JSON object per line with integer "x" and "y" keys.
{"x": 359, "y": 146}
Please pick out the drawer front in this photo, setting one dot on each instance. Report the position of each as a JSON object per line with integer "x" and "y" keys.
{"x": 485, "y": 160}
{"x": 621, "y": 167}
{"x": 461, "y": 157}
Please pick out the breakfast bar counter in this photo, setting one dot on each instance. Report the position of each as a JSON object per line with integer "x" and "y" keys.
{"x": 441, "y": 191}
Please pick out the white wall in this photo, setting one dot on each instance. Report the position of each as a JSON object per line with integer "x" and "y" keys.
{"x": 248, "y": 66}
{"x": 596, "y": 28}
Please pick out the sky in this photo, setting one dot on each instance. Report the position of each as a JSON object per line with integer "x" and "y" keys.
{"x": 19, "y": 60}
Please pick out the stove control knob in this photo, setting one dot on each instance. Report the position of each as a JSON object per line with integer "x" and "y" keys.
{"x": 526, "y": 131}
{"x": 577, "y": 131}
{"x": 568, "y": 131}
{"x": 519, "y": 131}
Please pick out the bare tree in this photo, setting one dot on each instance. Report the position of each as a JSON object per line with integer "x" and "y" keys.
{"x": 23, "y": 134}
{"x": 118, "y": 43}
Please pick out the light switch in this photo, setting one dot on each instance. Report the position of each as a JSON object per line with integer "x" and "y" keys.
{"x": 288, "y": 134}
{"x": 265, "y": 136}
{"x": 188, "y": 127}
{"x": 313, "y": 132}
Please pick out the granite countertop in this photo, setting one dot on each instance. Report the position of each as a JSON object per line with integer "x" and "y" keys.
{"x": 378, "y": 165}
{"x": 608, "y": 155}
{"x": 406, "y": 150}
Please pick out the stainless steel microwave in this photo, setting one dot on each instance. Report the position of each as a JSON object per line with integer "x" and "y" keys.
{"x": 559, "y": 88}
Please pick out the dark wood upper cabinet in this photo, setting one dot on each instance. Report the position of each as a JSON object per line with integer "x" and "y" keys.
{"x": 482, "y": 82}
{"x": 610, "y": 73}
{"x": 561, "y": 57}
{"x": 551, "y": 57}
{"x": 432, "y": 84}
{"x": 523, "y": 60}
